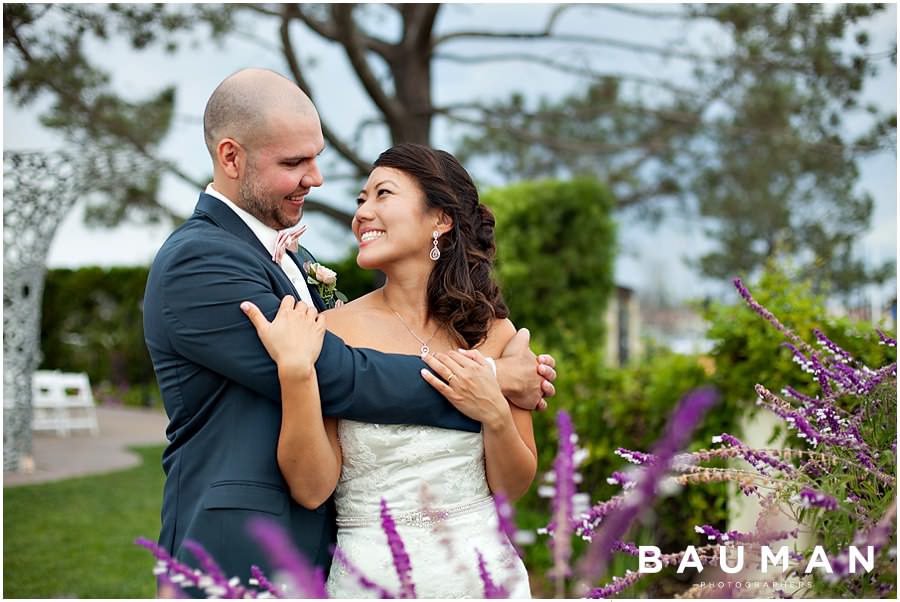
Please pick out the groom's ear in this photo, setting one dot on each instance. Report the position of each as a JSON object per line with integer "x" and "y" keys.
{"x": 230, "y": 156}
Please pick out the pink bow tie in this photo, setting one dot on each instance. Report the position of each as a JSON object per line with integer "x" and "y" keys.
{"x": 288, "y": 239}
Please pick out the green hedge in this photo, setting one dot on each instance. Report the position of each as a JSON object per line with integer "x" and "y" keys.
{"x": 92, "y": 322}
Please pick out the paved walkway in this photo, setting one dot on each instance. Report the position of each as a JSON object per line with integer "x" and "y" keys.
{"x": 81, "y": 453}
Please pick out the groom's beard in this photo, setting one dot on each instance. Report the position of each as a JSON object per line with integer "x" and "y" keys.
{"x": 253, "y": 200}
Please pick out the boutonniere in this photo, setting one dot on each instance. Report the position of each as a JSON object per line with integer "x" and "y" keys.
{"x": 325, "y": 281}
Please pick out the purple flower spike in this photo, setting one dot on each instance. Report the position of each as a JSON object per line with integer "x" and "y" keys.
{"x": 615, "y": 587}
{"x": 505, "y": 525}
{"x": 811, "y": 498}
{"x": 635, "y": 457}
{"x": 769, "y": 317}
{"x": 220, "y": 584}
{"x": 685, "y": 418}
{"x": 885, "y": 339}
{"x": 491, "y": 590}
{"x": 832, "y": 346}
{"x": 398, "y": 553}
{"x": 283, "y": 555}
{"x": 170, "y": 572}
{"x": 564, "y": 469}
{"x": 263, "y": 582}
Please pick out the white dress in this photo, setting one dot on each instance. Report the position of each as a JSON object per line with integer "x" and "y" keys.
{"x": 394, "y": 462}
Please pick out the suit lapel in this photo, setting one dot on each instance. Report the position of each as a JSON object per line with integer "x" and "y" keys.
{"x": 222, "y": 215}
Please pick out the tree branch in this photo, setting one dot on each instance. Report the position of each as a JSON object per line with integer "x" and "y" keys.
{"x": 342, "y": 217}
{"x": 419, "y": 19}
{"x": 562, "y": 67}
{"x": 294, "y": 65}
{"x": 572, "y": 38}
{"x": 639, "y": 12}
{"x": 349, "y": 38}
{"x": 330, "y": 30}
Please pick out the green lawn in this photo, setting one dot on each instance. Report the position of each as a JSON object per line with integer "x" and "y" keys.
{"x": 74, "y": 538}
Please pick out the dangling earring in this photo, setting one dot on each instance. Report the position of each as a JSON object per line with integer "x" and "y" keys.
{"x": 435, "y": 252}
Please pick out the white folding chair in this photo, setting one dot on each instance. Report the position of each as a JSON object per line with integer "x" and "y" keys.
{"x": 66, "y": 402}
{"x": 47, "y": 412}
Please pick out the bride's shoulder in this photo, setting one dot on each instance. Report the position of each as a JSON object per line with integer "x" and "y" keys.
{"x": 349, "y": 315}
{"x": 499, "y": 333}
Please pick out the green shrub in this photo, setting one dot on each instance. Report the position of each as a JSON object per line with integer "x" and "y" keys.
{"x": 555, "y": 250}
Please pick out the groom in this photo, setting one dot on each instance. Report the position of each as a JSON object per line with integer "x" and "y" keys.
{"x": 219, "y": 386}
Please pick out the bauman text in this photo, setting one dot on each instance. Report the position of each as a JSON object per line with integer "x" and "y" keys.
{"x": 649, "y": 559}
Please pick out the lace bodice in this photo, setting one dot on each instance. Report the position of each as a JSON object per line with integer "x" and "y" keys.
{"x": 393, "y": 461}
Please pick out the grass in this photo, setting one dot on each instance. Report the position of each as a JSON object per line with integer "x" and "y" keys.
{"x": 74, "y": 538}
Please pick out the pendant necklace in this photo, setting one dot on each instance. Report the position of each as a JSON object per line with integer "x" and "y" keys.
{"x": 425, "y": 349}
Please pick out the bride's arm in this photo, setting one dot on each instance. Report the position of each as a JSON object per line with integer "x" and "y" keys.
{"x": 309, "y": 454}
{"x": 509, "y": 448}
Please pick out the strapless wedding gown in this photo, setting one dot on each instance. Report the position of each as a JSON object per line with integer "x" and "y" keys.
{"x": 415, "y": 468}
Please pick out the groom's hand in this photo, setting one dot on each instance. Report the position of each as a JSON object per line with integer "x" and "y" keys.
{"x": 524, "y": 378}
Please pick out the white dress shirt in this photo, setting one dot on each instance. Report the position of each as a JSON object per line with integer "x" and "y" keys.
{"x": 267, "y": 237}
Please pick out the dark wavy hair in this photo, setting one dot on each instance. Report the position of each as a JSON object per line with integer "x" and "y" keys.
{"x": 462, "y": 293}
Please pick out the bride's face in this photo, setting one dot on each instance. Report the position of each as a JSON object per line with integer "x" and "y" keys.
{"x": 392, "y": 222}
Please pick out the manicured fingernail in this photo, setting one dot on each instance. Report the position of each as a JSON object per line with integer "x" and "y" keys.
{"x": 461, "y": 350}
{"x": 245, "y": 306}
{"x": 423, "y": 372}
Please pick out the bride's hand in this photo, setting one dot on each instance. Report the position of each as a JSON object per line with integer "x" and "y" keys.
{"x": 294, "y": 338}
{"x": 469, "y": 384}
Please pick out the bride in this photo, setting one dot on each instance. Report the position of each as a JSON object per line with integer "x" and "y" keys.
{"x": 418, "y": 220}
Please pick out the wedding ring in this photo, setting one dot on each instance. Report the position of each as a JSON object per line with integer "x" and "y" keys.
{"x": 449, "y": 378}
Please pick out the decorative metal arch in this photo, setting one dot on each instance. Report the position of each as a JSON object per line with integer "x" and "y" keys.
{"x": 38, "y": 190}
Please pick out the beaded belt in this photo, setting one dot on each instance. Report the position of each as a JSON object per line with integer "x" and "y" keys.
{"x": 418, "y": 518}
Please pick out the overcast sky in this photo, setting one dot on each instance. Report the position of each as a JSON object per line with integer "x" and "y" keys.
{"x": 647, "y": 259}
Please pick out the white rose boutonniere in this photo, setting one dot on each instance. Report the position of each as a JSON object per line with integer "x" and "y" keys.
{"x": 325, "y": 281}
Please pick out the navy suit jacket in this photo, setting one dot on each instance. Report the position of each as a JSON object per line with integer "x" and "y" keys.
{"x": 222, "y": 395}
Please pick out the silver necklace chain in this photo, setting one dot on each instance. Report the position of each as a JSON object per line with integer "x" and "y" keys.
{"x": 425, "y": 349}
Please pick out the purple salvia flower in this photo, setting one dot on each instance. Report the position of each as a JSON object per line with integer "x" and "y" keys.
{"x": 616, "y": 586}
{"x": 685, "y": 418}
{"x": 165, "y": 589}
{"x": 398, "y": 553}
{"x": 220, "y": 585}
{"x": 748, "y": 490}
{"x": 491, "y": 590}
{"x": 728, "y": 439}
{"x": 635, "y": 457}
{"x": 364, "y": 581}
{"x": 811, "y": 498}
{"x": 769, "y": 317}
{"x": 820, "y": 373}
{"x": 757, "y": 459}
{"x": 619, "y": 478}
{"x": 833, "y": 347}
{"x": 259, "y": 579}
{"x": 711, "y": 532}
{"x": 564, "y": 471}
{"x": 586, "y": 524}
{"x": 628, "y": 548}
{"x": 885, "y": 339}
{"x": 169, "y": 570}
{"x": 272, "y": 538}
{"x": 801, "y": 397}
{"x": 505, "y": 524}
